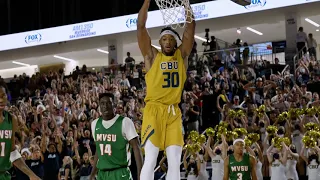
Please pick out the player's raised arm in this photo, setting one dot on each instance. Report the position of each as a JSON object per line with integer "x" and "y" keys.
{"x": 144, "y": 39}
{"x": 15, "y": 156}
{"x": 253, "y": 168}
{"x": 226, "y": 169}
{"x": 188, "y": 35}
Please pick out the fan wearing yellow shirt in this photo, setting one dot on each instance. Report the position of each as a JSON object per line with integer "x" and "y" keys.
{"x": 165, "y": 78}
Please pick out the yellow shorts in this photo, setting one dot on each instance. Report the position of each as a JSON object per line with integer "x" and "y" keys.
{"x": 161, "y": 126}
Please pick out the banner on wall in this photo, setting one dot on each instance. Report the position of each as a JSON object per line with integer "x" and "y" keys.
{"x": 202, "y": 11}
{"x": 82, "y": 31}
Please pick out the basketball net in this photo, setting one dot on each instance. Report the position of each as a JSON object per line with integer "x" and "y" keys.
{"x": 173, "y": 12}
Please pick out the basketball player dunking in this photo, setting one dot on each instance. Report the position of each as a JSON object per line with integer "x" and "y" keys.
{"x": 166, "y": 74}
{"x": 239, "y": 165}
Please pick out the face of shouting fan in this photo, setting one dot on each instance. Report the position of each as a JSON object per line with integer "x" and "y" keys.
{"x": 168, "y": 44}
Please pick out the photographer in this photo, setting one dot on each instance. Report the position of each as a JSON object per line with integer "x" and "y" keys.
{"x": 212, "y": 44}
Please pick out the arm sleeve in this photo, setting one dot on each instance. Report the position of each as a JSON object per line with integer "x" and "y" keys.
{"x": 128, "y": 129}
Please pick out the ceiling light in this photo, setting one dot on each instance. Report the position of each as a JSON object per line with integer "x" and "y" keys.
{"x": 238, "y": 31}
{"x": 200, "y": 38}
{"x": 20, "y": 63}
{"x": 93, "y": 69}
{"x": 63, "y": 58}
{"x": 317, "y": 30}
{"x": 312, "y": 22}
{"x": 157, "y": 47}
{"x": 255, "y": 31}
{"x": 103, "y": 51}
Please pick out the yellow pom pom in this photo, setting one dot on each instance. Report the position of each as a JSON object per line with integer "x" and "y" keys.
{"x": 272, "y": 130}
{"x": 277, "y": 142}
{"x": 224, "y": 124}
{"x": 240, "y": 113}
{"x": 222, "y": 130}
{"x": 232, "y": 113}
{"x": 210, "y": 131}
{"x": 286, "y": 140}
{"x": 293, "y": 113}
{"x": 309, "y": 142}
{"x": 254, "y": 137}
{"x": 201, "y": 139}
{"x": 241, "y": 131}
{"x": 311, "y": 126}
{"x": 248, "y": 142}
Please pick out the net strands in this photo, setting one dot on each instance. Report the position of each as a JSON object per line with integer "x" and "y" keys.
{"x": 173, "y": 12}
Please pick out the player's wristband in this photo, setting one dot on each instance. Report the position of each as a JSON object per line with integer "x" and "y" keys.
{"x": 14, "y": 155}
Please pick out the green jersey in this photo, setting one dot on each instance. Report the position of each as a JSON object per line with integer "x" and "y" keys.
{"x": 239, "y": 170}
{"x": 5, "y": 141}
{"x": 113, "y": 149}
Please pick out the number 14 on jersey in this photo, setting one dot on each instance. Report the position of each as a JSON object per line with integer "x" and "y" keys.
{"x": 105, "y": 149}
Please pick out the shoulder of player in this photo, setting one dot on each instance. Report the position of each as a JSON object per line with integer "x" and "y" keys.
{"x": 93, "y": 125}
{"x": 14, "y": 120}
{"x": 93, "y": 122}
{"x": 125, "y": 118}
{"x": 150, "y": 57}
{"x": 127, "y": 121}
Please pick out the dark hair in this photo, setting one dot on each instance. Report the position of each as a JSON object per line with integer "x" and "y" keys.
{"x": 4, "y": 85}
{"x": 300, "y": 28}
{"x": 106, "y": 95}
{"x": 170, "y": 29}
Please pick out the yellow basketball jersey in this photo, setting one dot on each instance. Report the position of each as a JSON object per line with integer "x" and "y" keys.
{"x": 165, "y": 79}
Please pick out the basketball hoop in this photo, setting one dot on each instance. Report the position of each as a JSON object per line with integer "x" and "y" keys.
{"x": 173, "y": 12}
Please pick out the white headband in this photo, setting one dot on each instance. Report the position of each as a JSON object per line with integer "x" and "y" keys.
{"x": 238, "y": 140}
{"x": 166, "y": 32}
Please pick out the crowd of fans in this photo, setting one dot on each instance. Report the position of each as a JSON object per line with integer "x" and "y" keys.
{"x": 54, "y": 113}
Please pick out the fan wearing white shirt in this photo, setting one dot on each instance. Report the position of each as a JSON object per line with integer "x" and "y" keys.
{"x": 124, "y": 81}
{"x": 217, "y": 155}
{"x": 301, "y": 40}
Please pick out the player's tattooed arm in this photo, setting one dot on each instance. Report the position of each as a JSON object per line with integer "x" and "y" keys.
{"x": 94, "y": 168}
{"x": 19, "y": 163}
{"x": 226, "y": 169}
{"x": 135, "y": 144}
{"x": 253, "y": 168}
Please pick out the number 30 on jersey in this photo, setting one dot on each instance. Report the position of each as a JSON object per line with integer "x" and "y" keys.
{"x": 105, "y": 149}
{"x": 171, "y": 79}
